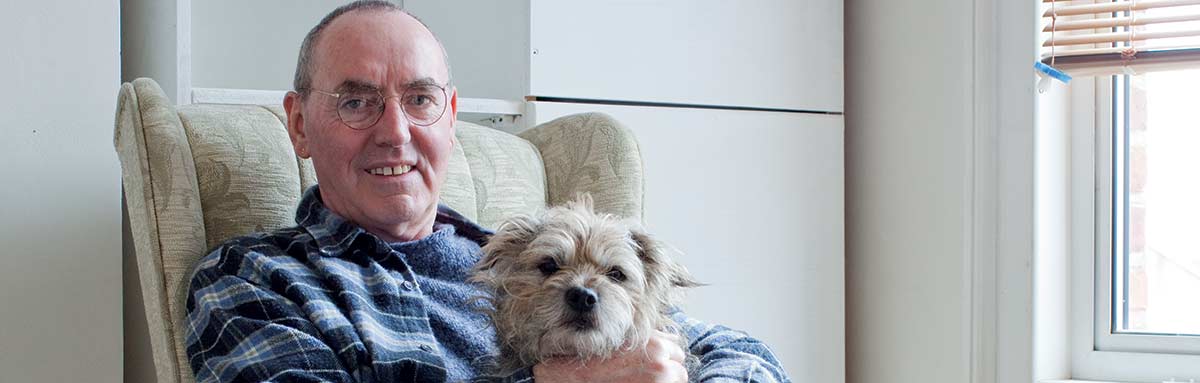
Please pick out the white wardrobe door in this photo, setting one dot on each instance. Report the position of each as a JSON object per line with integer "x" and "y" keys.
{"x": 754, "y": 200}
{"x": 781, "y": 54}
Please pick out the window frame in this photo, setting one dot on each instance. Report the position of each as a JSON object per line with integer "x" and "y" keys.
{"x": 1097, "y": 353}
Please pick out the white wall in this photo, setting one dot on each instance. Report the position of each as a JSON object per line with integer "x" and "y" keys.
{"x": 253, "y": 45}
{"x": 488, "y": 44}
{"x": 941, "y": 194}
{"x": 60, "y": 284}
{"x": 908, "y": 171}
{"x": 250, "y": 44}
{"x": 156, "y": 43}
{"x": 783, "y": 54}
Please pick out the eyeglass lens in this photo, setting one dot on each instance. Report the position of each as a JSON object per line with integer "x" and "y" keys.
{"x": 423, "y": 104}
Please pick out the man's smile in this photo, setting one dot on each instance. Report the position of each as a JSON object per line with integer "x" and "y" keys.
{"x": 390, "y": 170}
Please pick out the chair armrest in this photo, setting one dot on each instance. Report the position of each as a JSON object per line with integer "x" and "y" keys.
{"x": 158, "y": 175}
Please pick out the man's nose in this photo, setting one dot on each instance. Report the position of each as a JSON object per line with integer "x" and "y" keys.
{"x": 393, "y": 128}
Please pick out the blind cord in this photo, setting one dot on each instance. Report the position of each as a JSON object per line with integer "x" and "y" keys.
{"x": 1130, "y": 52}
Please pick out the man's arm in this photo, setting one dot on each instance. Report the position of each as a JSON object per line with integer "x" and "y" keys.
{"x": 726, "y": 356}
{"x": 729, "y": 356}
{"x": 241, "y": 332}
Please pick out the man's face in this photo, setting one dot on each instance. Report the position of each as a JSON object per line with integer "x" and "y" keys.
{"x": 389, "y": 51}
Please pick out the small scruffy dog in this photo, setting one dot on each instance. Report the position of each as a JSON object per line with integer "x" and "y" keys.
{"x": 578, "y": 284}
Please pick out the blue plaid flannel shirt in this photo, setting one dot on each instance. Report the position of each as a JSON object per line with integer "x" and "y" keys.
{"x": 326, "y": 301}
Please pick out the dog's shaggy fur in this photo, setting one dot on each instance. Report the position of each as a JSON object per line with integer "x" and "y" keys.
{"x": 532, "y": 264}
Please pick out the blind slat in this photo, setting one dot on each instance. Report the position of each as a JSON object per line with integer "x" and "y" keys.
{"x": 1113, "y": 63}
{"x": 1100, "y": 51}
{"x": 1113, "y": 22}
{"x": 1085, "y": 33}
{"x": 1114, "y": 37}
{"x": 1106, "y": 8}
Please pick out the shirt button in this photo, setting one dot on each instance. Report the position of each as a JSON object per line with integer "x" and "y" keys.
{"x": 408, "y": 285}
{"x": 426, "y": 348}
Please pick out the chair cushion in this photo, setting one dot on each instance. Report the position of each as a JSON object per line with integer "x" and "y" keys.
{"x": 591, "y": 153}
{"x": 246, "y": 170}
{"x": 506, "y": 171}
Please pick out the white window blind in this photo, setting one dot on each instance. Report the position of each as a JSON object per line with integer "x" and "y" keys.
{"x": 1097, "y": 37}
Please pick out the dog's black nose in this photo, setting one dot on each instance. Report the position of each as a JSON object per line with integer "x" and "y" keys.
{"x": 581, "y": 299}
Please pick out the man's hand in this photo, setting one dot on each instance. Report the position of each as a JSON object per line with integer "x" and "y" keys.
{"x": 660, "y": 362}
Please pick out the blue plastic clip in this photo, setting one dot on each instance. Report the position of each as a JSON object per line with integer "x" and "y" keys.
{"x": 1045, "y": 72}
{"x": 1050, "y": 71}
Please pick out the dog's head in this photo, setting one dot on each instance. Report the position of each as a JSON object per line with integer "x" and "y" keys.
{"x": 576, "y": 283}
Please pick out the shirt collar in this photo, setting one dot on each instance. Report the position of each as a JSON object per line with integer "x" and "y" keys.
{"x": 334, "y": 234}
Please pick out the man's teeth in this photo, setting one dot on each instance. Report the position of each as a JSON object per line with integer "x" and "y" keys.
{"x": 395, "y": 170}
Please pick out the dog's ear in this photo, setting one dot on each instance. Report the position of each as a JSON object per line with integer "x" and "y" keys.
{"x": 582, "y": 201}
{"x": 662, "y": 272}
{"x": 510, "y": 240}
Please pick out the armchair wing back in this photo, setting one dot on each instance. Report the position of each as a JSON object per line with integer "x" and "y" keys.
{"x": 197, "y": 175}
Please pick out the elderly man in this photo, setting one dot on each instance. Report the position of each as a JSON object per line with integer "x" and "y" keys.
{"x": 370, "y": 285}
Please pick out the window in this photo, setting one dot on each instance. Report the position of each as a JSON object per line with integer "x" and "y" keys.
{"x": 1135, "y": 281}
{"x": 1147, "y": 250}
{"x": 1156, "y": 201}
{"x": 1136, "y": 298}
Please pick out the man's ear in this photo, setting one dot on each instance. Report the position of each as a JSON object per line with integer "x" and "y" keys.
{"x": 453, "y": 110}
{"x": 293, "y": 105}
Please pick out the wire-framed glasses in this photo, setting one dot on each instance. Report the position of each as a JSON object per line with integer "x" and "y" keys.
{"x": 423, "y": 105}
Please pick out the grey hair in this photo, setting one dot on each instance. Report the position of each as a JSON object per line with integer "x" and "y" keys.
{"x": 304, "y": 64}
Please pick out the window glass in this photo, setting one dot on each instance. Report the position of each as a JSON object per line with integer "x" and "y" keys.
{"x": 1157, "y": 203}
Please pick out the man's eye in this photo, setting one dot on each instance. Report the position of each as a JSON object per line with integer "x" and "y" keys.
{"x": 616, "y": 274}
{"x": 419, "y": 100}
{"x": 548, "y": 266}
{"x": 354, "y": 103}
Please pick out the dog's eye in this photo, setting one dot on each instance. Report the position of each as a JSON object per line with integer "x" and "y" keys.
{"x": 548, "y": 266}
{"x": 616, "y": 274}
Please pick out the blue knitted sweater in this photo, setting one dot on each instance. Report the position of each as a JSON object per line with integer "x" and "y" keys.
{"x": 441, "y": 262}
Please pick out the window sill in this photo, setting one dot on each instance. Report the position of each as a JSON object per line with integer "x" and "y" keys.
{"x": 1098, "y": 381}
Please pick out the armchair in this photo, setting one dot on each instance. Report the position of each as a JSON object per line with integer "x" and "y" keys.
{"x": 197, "y": 175}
